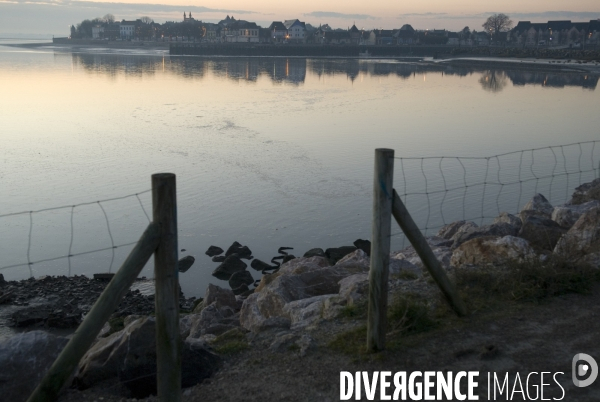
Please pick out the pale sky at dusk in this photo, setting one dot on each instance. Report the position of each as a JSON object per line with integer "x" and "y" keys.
{"x": 54, "y": 16}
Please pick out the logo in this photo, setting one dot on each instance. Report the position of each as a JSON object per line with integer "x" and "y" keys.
{"x": 581, "y": 370}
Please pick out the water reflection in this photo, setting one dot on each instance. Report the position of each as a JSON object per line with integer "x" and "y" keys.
{"x": 294, "y": 70}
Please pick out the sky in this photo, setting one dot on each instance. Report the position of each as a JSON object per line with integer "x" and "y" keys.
{"x": 20, "y": 18}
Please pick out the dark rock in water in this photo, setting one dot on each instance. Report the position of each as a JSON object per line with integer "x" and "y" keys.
{"x": 2, "y": 281}
{"x": 213, "y": 250}
{"x": 337, "y": 253}
{"x": 241, "y": 289}
{"x": 315, "y": 252}
{"x": 247, "y": 293}
{"x": 228, "y": 267}
{"x": 542, "y": 233}
{"x": 364, "y": 245}
{"x": 287, "y": 258}
{"x": 241, "y": 251}
{"x": 185, "y": 263}
{"x": 219, "y": 258}
{"x": 24, "y": 359}
{"x": 240, "y": 278}
{"x": 261, "y": 265}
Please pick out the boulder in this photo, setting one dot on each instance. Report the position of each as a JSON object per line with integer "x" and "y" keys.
{"x": 404, "y": 269}
{"x": 582, "y": 241}
{"x": 185, "y": 263}
{"x": 464, "y": 228}
{"x": 25, "y": 358}
{"x": 483, "y": 251}
{"x": 218, "y": 258}
{"x": 213, "y": 251}
{"x": 337, "y": 253}
{"x": 538, "y": 206}
{"x": 442, "y": 253}
{"x": 541, "y": 233}
{"x": 354, "y": 288}
{"x": 305, "y": 312}
{"x": 241, "y": 278}
{"x": 500, "y": 229}
{"x": 131, "y": 355}
{"x": 274, "y": 323}
{"x": 449, "y": 230}
{"x": 231, "y": 265}
{"x": 364, "y": 245}
{"x": 567, "y": 215}
{"x": 223, "y": 297}
{"x": 586, "y": 192}
{"x": 505, "y": 217}
{"x": 355, "y": 262}
{"x": 315, "y": 252}
{"x": 241, "y": 251}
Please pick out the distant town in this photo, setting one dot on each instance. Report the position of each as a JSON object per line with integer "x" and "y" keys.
{"x": 497, "y": 30}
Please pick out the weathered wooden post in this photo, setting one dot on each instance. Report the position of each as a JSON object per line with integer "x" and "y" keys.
{"x": 66, "y": 363}
{"x": 380, "y": 248}
{"x": 418, "y": 241}
{"x": 166, "y": 276}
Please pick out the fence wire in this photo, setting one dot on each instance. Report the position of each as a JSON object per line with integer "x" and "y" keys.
{"x": 441, "y": 190}
{"x": 70, "y": 254}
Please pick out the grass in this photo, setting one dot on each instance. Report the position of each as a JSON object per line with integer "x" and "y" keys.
{"x": 230, "y": 342}
{"x": 529, "y": 281}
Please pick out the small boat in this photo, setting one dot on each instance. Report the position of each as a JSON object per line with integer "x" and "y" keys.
{"x": 364, "y": 55}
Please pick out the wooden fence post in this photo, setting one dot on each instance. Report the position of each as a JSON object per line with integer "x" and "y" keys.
{"x": 380, "y": 248}
{"x": 66, "y": 363}
{"x": 166, "y": 276}
{"x": 414, "y": 235}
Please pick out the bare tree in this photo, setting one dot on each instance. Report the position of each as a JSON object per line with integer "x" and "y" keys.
{"x": 109, "y": 18}
{"x": 497, "y": 23}
{"x": 146, "y": 20}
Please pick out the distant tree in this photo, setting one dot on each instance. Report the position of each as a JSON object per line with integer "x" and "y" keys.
{"x": 493, "y": 81}
{"x": 109, "y": 18}
{"x": 465, "y": 34}
{"x": 146, "y": 20}
{"x": 497, "y": 23}
{"x": 73, "y": 31}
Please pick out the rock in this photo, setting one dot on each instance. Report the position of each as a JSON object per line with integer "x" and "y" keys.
{"x": 305, "y": 312}
{"x": 306, "y": 344}
{"x": 218, "y": 329}
{"x": 586, "y": 192}
{"x": 262, "y": 266}
{"x": 241, "y": 289}
{"x": 449, "y": 230}
{"x": 364, "y": 245}
{"x": 218, "y": 258}
{"x": 131, "y": 354}
{"x": 241, "y": 251}
{"x": 24, "y": 359}
{"x": 335, "y": 254}
{"x": 483, "y": 251}
{"x": 185, "y": 324}
{"x": 464, "y": 228}
{"x": 442, "y": 253}
{"x": 2, "y": 281}
{"x": 500, "y": 229}
{"x": 283, "y": 342}
{"x": 404, "y": 269}
{"x": 293, "y": 282}
{"x": 567, "y": 215}
{"x": 223, "y": 297}
{"x": 315, "y": 252}
{"x": 274, "y": 322}
{"x": 211, "y": 315}
{"x": 355, "y": 262}
{"x": 213, "y": 250}
{"x": 505, "y": 217}
{"x": 240, "y": 278}
{"x": 541, "y": 233}
{"x": 354, "y": 288}
{"x": 539, "y": 206}
{"x": 287, "y": 258}
{"x": 185, "y": 263}
{"x": 228, "y": 267}
{"x": 582, "y": 242}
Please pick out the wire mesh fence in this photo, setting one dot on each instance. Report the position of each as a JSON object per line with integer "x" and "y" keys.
{"x": 124, "y": 218}
{"x": 442, "y": 190}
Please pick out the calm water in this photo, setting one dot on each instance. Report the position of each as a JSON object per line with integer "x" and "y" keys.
{"x": 268, "y": 151}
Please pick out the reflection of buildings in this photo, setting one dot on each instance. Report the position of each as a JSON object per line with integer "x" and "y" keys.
{"x": 555, "y": 80}
{"x": 294, "y": 70}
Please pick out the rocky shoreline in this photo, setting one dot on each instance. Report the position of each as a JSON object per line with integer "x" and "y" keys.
{"x": 298, "y": 306}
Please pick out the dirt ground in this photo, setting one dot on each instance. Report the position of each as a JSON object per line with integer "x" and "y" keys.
{"x": 521, "y": 338}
